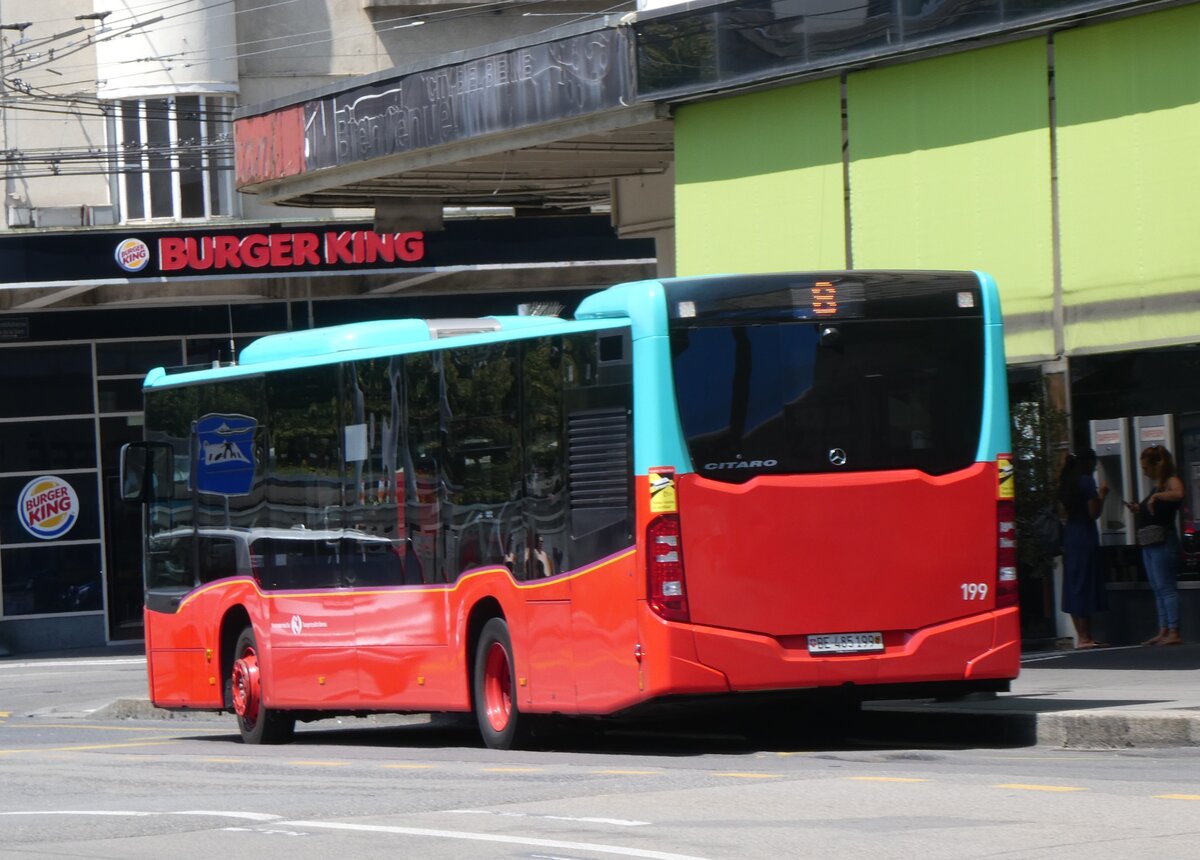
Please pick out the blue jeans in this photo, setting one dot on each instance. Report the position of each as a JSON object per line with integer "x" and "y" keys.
{"x": 1162, "y": 569}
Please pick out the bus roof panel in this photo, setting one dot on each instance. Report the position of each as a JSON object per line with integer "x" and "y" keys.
{"x": 292, "y": 345}
{"x": 377, "y": 339}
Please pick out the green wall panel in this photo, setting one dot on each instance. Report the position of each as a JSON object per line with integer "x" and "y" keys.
{"x": 950, "y": 169}
{"x": 1129, "y": 180}
{"x": 758, "y": 182}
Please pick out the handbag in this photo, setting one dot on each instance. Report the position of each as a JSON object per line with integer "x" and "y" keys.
{"x": 1151, "y": 535}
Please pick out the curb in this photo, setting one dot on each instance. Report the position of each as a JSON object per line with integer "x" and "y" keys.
{"x": 1117, "y": 729}
{"x": 1076, "y": 729}
{"x": 141, "y": 709}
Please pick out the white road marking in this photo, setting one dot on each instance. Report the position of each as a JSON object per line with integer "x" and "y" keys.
{"x": 249, "y": 816}
{"x": 490, "y": 837}
{"x": 124, "y": 812}
{"x": 268, "y": 831}
{"x": 74, "y": 664}
{"x": 617, "y": 822}
{"x": 595, "y": 848}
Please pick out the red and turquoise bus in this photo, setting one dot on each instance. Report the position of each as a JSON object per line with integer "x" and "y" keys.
{"x": 717, "y": 489}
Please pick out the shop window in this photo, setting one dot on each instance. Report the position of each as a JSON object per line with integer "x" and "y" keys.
{"x": 51, "y": 579}
{"x": 120, "y": 395}
{"x": 124, "y": 359}
{"x": 47, "y": 446}
{"x": 45, "y": 380}
{"x": 206, "y": 350}
{"x": 175, "y": 158}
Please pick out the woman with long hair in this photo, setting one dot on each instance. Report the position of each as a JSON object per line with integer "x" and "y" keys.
{"x": 1159, "y": 539}
{"x": 1083, "y": 593}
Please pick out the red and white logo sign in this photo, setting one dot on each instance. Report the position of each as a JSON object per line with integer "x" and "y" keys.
{"x": 48, "y": 507}
{"x": 132, "y": 255}
{"x": 304, "y": 249}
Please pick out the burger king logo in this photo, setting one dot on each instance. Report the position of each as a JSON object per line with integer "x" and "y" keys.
{"x": 132, "y": 255}
{"x": 48, "y": 507}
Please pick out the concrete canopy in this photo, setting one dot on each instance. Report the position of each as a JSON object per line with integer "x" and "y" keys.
{"x": 549, "y": 124}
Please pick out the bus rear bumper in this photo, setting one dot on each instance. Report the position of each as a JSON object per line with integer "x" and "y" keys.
{"x": 982, "y": 647}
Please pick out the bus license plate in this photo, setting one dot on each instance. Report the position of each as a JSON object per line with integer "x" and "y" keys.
{"x": 845, "y": 643}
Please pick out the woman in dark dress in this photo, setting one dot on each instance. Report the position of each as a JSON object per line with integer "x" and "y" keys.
{"x": 1083, "y": 593}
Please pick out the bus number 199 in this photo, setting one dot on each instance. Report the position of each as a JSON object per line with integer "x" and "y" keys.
{"x": 974, "y": 590}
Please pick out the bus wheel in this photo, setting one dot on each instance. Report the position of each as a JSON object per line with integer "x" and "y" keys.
{"x": 501, "y": 722}
{"x": 257, "y": 724}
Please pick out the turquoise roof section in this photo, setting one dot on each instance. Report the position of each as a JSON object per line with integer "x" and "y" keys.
{"x": 658, "y": 438}
{"x": 367, "y": 340}
{"x": 339, "y": 338}
{"x": 995, "y": 435}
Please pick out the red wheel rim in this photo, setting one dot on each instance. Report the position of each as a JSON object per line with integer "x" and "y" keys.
{"x": 247, "y": 694}
{"x": 497, "y": 687}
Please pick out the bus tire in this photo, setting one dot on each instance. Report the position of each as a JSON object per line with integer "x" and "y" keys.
{"x": 501, "y": 722}
{"x": 257, "y": 724}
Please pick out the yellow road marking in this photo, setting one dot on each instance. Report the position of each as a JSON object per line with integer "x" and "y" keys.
{"x": 513, "y": 770}
{"x": 888, "y": 779}
{"x": 88, "y": 747}
{"x": 750, "y": 775}
{"x": 175, "y": 729}
{"x": 410, "y": 766}
{"x": 1178, "y": 796}
{"x": 1023, "y": 787}
{"x": 629, "y": 772}
{"x": 5, "y": 714}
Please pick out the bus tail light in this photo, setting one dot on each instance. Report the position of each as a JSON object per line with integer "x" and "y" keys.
{"x": 664, "y": 569}
{"x": 1006, "y": 553}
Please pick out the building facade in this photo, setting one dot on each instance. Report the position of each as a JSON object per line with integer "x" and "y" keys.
{"x": 125, "y": 245}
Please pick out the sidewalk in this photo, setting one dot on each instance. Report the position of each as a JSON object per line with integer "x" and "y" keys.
{"x": 1108, "y": 698}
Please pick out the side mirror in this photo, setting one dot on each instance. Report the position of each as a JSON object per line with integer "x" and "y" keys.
{"x": 147, "y": 472}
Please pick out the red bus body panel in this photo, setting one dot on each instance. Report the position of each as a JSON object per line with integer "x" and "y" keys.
{"x": 763, "y": 571}
{"x": 405, "y": 648}
{"x": 772, "y": 561}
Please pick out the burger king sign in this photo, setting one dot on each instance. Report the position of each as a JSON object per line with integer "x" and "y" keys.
{"x": 48, "y": 507}
{"x": 132, "y": 255}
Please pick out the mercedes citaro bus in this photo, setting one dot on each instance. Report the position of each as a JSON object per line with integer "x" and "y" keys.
{"x": 698, "y": 489}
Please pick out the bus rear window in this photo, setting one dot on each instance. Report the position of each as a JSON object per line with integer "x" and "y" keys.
{"x": 852, "y": 395}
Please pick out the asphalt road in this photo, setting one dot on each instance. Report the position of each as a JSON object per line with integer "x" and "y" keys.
{"x": 74, "y": 784}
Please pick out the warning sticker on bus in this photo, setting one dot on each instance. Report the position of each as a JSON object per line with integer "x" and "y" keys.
{"x": 1006, "y": 477}
{"x": 662, "y": 491}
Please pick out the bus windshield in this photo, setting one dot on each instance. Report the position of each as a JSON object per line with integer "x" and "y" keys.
{"x": 820, "y": 396}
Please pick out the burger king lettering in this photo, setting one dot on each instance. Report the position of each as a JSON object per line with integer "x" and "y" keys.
{"x": 259, "y": 250}
{"x": 48, "y": 507}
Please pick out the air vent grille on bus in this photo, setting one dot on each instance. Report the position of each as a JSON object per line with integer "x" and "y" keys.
{"x": 598, "y": 465}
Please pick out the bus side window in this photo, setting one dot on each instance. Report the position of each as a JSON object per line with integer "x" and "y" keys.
{"x": 598, "y": 399}
{"x": 421, "y": 453}
{"x": 539, "y": 541}
{"x": 218, "y": 559}
{"x": 481, "y": 463}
